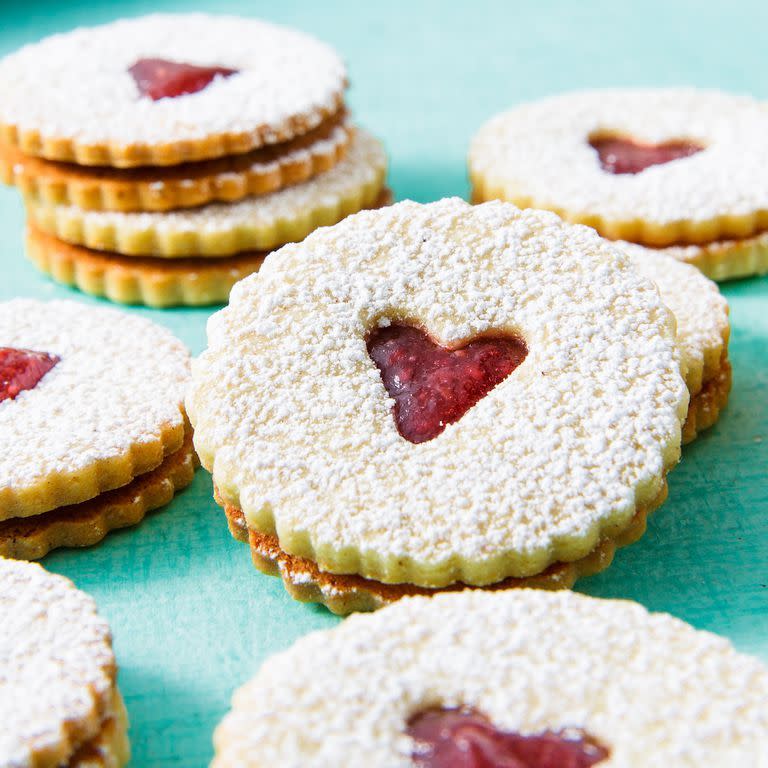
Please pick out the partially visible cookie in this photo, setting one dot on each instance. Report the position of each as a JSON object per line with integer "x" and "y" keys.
{"x": 166, "y": 89}
{"x": 87, "y": 523}
{"x": 59, "y": 703}
{"x": 703, "y": 329}
{"x": 718, "y": 260}
{"x": 222, "y": 229}
{"x": 653, "y": 166}
{"x": 228, "y": 179}
{"x": 150, "y": 281}
{"x": 515, "y": 678}
{"x": 106, "y": 407}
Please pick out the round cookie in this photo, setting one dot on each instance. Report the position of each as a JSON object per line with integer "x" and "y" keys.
{"x": 703, "y": 330}
{"x": 574, "y": 435}
{"x": 542, "y": 678}
{"x": 105, "y": 407}
{"x": 59, "y": 703}
{"x": 658, "y": 167}
{"x": 222, "y": 229}
{"x": 95, "y": 96}
{"x": 227, "y": 179}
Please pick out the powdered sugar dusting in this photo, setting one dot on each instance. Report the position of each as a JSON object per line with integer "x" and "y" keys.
{"x": 57, "y": 667}
{"x": 540, "y": 153}
{"x": 291, "y": 414}
{"x": 700, "y": 310}
{"x": 120, "y": 382}
{"x": 649, "y": 687}
{"x": 77, "y": 85}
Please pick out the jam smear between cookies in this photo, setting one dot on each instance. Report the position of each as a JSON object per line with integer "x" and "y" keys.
{"x": 463, "y": 738}
{"x": 162, "y": 78}
{"x": 22, "y": 369}
{"x": 433, "y": 386}
{"x": 623, "y": 156}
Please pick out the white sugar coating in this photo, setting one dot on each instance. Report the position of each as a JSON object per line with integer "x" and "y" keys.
{"x": 541, "y": 151}
{"x": 327, "y": 147}
{"x": 654, "y": 691}
{"x": 56, "y": 666}
{"x": 272, "y": 216}
{"x": 291, "y": 414}
{"x": 120, "y": 383}
{"x": 700, "y": 310}
{"x": 77, "y": 85}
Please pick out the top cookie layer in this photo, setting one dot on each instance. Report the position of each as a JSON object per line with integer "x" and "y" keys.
{"x": 293, "y": 419}
{"x": 651, "y": 689}
{"x": 57, "y": 668}
{"x": 110, "y": 409}
{"x": 71, "y": 97}
{"x": 540, "y": 155}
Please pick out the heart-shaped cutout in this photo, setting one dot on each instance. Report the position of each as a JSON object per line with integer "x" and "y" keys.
{"x": 162, "y": 78}
{"x": 463, "y": 738}
{"x": 433, "y": 386}
{"x": 22, "y": 369}
{"x": 620, "y": 156}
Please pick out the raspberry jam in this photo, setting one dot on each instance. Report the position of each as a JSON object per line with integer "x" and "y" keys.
{"x": 463, "y": 738}
{"x": 161, "y": 79}
{"x": 433, "y": 386}
{"x": 22, "y": 369}
{"x": 620, "y": 156}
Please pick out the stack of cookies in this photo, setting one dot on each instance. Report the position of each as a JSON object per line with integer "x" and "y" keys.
{"x": 161, "y": 158}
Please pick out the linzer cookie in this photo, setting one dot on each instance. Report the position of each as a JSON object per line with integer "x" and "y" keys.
{"x": 219, "y": 229}
{"x": 677, "y": 169}
{"x": 403, "y": 402}
{"x": 92, "y": 427}
{"x": 227, "y": 179}
{"x": 166, "y": 89}
{"x": 522, "y": 678}
{"x": 59, "y": 702}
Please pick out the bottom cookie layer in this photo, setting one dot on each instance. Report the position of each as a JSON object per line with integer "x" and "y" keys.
{"x": 134, "y": 280}
{"x": 719, "y": 260}
{"x": 705, "y": 406}
{"x": 343, "y": 594}
{"x": 154, "y": 282}
{"x": 85, "y": 524}
{"x": 110, "y": 747}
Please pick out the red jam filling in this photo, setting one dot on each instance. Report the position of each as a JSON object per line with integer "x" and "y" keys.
{"x": 22, "y": 369}
{"x": 625, "y": 156}
{"x": 160, "y": 78}
{"x": 433, "y": 386}
{"x": 462, "y": 738}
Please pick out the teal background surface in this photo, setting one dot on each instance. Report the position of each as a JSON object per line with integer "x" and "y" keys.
{"x": 191, "y": 618}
